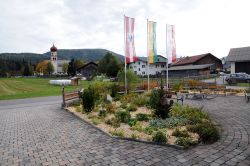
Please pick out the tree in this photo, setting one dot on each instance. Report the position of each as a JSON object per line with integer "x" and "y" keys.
{"x": 72, "y": 68}
{"x": 131, "y": 77}
{"x": 109, "y": 65}
{"x": 50, "y": 68}
{"x": 65, "y": 67}
{"x": 79, "y": 63}
{"x": 28, "y": 70}
{"x": 41, "y": 67}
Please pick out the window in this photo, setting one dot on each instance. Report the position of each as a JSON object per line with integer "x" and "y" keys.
{"x": 143, "y": 66}
{"x": 139, "y": 69}
{"x": 162, "y": 66}
{"x": 139, "y": 63}
{"x": 156, "y": 66}
{"x": 143, "y": 73}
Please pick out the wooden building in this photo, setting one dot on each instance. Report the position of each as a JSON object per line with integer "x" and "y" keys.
{"x": 88, "y": 70}
{"x": 196, "y": 65}
{"x": 240, "y": 60}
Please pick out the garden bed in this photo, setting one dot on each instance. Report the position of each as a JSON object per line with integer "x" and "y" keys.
{"x": 135, "y": 117}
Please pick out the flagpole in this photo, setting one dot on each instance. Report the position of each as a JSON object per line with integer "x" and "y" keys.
{"x": 125, "y": 64}
{"x": 167, "y": 54}
{"x": 147, "y": 55}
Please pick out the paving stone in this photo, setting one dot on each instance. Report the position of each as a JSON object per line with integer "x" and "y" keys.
{"x": 38, "y": 132}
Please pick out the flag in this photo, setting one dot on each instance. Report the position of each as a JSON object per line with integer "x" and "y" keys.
{"x": 171, "y": 47}
{"x": 152, "y": 52}
{"x": 129, "y": 40}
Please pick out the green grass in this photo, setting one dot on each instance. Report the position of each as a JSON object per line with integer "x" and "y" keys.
{"x": 17, "y": 88}
{"x": 243, "y": 84}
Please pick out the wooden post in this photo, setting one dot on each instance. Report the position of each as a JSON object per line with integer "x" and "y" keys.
{"x": 63, "y": 97}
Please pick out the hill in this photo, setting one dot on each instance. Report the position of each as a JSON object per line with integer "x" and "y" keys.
{"x": 83, "y": 54}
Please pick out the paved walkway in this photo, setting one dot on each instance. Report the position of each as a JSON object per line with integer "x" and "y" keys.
{"x": 38, "y": 132}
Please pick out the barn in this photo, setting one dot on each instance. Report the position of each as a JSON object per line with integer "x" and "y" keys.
{"x": 240, "y": 60}
{"x": 203, "y": 64}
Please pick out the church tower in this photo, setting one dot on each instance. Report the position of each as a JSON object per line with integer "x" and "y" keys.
{"x": 53, "y": 58}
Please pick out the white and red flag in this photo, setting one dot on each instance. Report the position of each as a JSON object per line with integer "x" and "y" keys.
{"x": 171, "y": 47}
{"x": 129, "y": 40}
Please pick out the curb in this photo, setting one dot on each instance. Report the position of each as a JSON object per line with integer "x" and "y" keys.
{"x": 125, "y": 138}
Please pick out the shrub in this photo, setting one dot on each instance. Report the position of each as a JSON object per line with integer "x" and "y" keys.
{"x": 160, "y": 137}
{"x": 102, "y": 113}
{"x": 113, "y": 122}
{"x": 124, "y": 105}
{"x": 132, "y": 122}
{"x": 149, "y": 130}
{"x": 168, "y": 123}
{"x": 123, "y": 116}
{"x": 137, "y": 127}
{"x": 178, "y": 133}
{"x": 96, "y": 121}
{"x": 159, "y": 103}
{"x": 185, "y": 142}
{"x": 119, "y": 133}
{"x": 141, "y": 100}
{"x": 88, "y": 99}
{"x": 131, "y": 108}
{"x": 207, "y": 132}
{"x": 78, "y": 109}
{"x": 142, "y": 117}
{"x": 193, "y": 114}
{"x": 134, "y": 136}
{"x": 110, "y": 108}
{"x": 177, "y": 87}
{"x": 114, "y": 89}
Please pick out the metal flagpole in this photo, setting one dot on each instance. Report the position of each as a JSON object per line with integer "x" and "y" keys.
{"x": 167, "y": 54}
{"x": 125, "y": 71}
{"x": 148, "y": 54}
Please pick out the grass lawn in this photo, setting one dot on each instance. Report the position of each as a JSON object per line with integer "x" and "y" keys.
{"x": 17, "y": 88}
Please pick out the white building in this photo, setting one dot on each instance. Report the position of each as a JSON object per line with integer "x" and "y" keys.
{"x": 55, "y": 62}
{"x": 140, "y": 67}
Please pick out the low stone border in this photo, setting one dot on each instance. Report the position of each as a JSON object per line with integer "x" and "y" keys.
{"x": 124, "y": 138}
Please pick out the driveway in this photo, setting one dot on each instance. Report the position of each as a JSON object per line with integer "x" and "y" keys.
{"x": 37, "y": 132}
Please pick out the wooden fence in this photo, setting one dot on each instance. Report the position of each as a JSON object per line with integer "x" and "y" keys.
{"x": 70, "y": 96}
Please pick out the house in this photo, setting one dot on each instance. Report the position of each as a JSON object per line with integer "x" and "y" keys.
{"x": 88, "y": 70}
{"x": 240, "y": 60}
{"x": 203, "y": 64}
{"x": 140, "y": 67}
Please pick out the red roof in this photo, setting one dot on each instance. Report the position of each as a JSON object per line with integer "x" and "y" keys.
{"x": 189, "y": 59}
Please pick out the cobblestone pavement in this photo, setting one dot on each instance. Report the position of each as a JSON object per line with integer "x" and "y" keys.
{"x": 38, "y": 132}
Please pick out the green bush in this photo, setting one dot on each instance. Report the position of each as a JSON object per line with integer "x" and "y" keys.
{"x": 78, "y": 108}
{"x": 206, "y": 130}
{"x": 168, "y": 123}
{"x": 177, "y": 87}
{"x": 113, "y": 122}
{"x": 114, "y": 90}
{"x": 124, "y": 105}
{"x": 88, "y": 99}
{"x": 161, "y": 109}
{"x": 193, "y": 114}
{"x": 185, "y": 142}
{"x": 96, "y": 121}
{"x": 131, "y": 108}
{"x": 119, "y": 133}
{"x": 132, "y": 122}
{"x": 160, "y": 137}
{"x": 102, "y": 113}
{"x": 123, "y": 116}
{"x": 178, "y": 133}
{"x": 141, "y": 100}
{"x": 149, "y": 130}
{"x": 137, "y": 127}
{"x": 142, "y": 117}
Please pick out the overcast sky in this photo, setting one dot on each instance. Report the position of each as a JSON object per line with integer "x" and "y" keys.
{"x": 201, "y": 25}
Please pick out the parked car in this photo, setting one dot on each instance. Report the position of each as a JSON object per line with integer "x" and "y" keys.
{"x": 237, "y": 78}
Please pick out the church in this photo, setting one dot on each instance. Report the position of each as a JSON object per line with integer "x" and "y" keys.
{"x": 57, "y": 64}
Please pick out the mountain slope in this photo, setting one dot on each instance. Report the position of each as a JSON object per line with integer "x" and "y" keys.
{"x": 67, "y": 54}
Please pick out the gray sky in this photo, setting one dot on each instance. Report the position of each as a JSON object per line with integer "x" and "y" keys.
{"x": 201, "y": 25}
